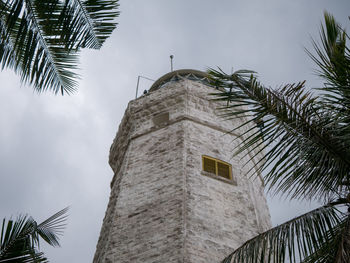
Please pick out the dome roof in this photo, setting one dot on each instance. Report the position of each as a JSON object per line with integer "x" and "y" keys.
{"x": 176, "y": 75}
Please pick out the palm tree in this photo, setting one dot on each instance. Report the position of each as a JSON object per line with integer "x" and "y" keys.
{"x": 19, "y": 239}
{"x": 41, "y": 39}
{"x": 306, "y": 139}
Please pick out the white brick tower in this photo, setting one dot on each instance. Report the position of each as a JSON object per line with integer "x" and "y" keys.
{"x": 178, "y": 193}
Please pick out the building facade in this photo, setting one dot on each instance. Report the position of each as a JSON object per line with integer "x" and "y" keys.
{"x": 178, "y": 194}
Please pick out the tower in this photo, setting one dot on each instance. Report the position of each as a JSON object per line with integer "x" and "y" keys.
{"x": 178, "y": 194}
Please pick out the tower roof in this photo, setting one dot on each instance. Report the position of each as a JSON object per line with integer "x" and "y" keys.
{"x": 176, "y": 75}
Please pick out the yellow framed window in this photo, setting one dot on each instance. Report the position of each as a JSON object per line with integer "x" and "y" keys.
{"x": 217, "y": 167}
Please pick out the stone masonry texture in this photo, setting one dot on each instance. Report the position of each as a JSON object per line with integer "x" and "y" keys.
{"x": 163, "y": 207}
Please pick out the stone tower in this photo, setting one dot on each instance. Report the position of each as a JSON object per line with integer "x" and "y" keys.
{"x": 178, "y": 194}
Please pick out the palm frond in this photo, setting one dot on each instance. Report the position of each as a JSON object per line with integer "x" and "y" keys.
{"x": 32, "y": 51}
{"x": 51, "y": 228}
{"x": 337, "y": 247}
{"x": 303, "y": 147}
{"x": 89, "y": 23}
{"x": 19, "y": 239}
{"x": 332, "y": 56}
{"x": 41, "y": 39}
{"x": 293, "y": 240}
{"x": 28, "y": 256}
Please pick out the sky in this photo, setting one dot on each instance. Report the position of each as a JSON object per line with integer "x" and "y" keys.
{"x": 54, "y": 150}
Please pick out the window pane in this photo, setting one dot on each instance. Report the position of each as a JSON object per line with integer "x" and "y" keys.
{"x": 209, "y": 165}
{"x": 224, "y": 170}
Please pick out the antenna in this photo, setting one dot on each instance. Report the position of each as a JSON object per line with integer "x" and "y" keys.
{"x": 171, "y": 62}
{"x": 138, "y": 82}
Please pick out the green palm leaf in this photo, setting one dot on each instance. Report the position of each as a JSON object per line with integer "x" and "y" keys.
{"x": 294, "y": 240}
{"x": 336, "y": 248}
{"x": 306, "y": 139}
{"x": 304, "y": 147}
{"x": 332, "y": 56}
{"x": 20, "y": 238}
{"x": 91, "y": 22}
{"x": 41, "y": 39}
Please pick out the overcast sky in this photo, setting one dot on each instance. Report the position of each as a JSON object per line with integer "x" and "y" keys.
{"x": 54, "y": 150}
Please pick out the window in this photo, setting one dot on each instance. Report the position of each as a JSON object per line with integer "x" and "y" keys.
{"x": 217, "y": 167}
{"x": 161, "y": 119}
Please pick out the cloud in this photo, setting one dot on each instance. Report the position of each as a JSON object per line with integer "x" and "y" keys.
{"x": 54, "y": 150}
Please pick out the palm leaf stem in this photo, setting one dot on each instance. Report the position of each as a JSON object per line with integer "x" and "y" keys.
{"x": 90, "y": 23}
{"x": 45, "y": 45}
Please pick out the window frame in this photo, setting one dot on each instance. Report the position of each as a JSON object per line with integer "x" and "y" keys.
{"x": 216, "y": 167}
